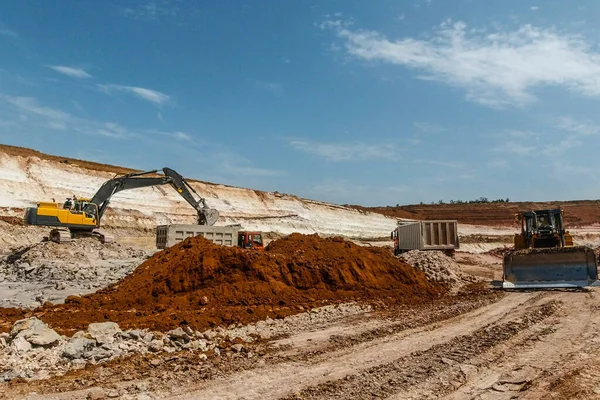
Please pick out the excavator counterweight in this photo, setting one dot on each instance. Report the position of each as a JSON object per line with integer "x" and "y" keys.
{"x": 545, "y": 257}
{"x": 79, "y": 217}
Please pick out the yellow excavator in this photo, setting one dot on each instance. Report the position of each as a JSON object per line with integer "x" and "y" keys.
{"x": 544, "y": 255}
{"x": 79, "y": 217}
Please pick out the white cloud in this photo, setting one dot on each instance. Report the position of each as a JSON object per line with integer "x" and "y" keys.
{"x": 31, "y": 106}
{"x": 347, "y": 151}
{"x": 52, "y": 118}
{"x": 70, "y": 71}
{"x": 428, "y": 127}
{"x": 152, "y": 96}
{"x": 8, "y": 33}
{"x": 494, "y": 68}
{"x": 152, "y": 10}
{"x": 562, "y": 146}
{"x": 182, "y": 136}
{"x": 514, "y": 148}
{"x": 274, "y": 87}
{"x": 56, "y": 125}
{"x": 580, "y": 128}
{"x": 233, "y": 164}
{"x": 497, "y": 164}
{"x": 446, "y": 164}
{"x": 534, "y": 8}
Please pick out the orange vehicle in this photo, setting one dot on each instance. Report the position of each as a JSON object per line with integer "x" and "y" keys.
{"x": 250, "y": 240}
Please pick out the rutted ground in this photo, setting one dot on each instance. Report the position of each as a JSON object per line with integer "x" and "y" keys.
{"x": 493, "y": 346}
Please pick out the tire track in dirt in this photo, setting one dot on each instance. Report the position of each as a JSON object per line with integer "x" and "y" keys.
{"x": 282, "y": 379}
{"x": 546, "y": 361}
{"x": 183, "y": 369}
{"x": 401, "y": 374}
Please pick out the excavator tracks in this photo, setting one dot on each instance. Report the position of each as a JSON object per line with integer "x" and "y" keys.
{"x": 60, "y": 236}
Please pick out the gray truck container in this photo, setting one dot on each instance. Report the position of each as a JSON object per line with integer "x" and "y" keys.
{"x": 426, "y": 235}
{"x": 169, "y": 235}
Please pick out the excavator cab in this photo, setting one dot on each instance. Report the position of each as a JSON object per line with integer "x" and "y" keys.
{"x": 250, "y": 240}
{"x": 544, "y": 255}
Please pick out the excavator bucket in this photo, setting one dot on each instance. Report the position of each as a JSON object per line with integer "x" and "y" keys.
{"x": 557, "y": 267}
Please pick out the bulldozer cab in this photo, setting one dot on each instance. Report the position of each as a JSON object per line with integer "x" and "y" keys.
{"x": 541, "y": 229}
{"x": 250, "y": 240}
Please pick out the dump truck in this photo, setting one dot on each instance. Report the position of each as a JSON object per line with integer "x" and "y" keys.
{"x": 230, "y": 235}
{"x": 426, "y": 235}
{"x": 544, "y": 255}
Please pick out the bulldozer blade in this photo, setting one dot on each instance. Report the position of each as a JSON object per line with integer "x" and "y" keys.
{"x": 559, "y": 267}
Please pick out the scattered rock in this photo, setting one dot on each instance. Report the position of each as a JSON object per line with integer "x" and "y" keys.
{"x": 437, "y": 266}
{"x": 156, "y": 345}
{"x": 77, "y": 347}
{"x": 237, "y": 347}
{"x": 35, "y": 332}
{"x": 20, "y": 345}
{"x": 96, "y": 394}
{"x": 104, "y": 332}
{"x": 179, "y": 333}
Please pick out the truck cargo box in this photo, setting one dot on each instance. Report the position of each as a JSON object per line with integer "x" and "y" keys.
{"x": 169, "y": 235}
{"x": 426, "y": 235}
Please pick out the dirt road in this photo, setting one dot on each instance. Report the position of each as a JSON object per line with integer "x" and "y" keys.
{"x": 532, "y": 345}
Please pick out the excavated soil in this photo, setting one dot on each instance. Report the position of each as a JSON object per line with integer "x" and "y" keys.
{"x": 200, "y": 284}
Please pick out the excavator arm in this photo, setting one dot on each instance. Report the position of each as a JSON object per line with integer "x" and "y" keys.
{"x": 206, "y": 215}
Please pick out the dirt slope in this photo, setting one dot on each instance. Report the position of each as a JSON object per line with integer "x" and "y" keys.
{"x": 28, "y": 177}
{"x": 577, "y": 213}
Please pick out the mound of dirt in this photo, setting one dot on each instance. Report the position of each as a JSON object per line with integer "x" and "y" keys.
{"x": 84, "y": 261}
{"x": 203, "y": 285}
{"x": 438, "y": 267}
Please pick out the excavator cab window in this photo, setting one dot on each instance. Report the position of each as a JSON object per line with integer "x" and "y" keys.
{"x": 68, "y": 204}
{"x": 257, "y": 239}
{"x": 90, "y": 210}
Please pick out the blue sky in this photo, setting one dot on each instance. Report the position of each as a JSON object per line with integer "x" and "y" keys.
{"x": 361, "y": 102}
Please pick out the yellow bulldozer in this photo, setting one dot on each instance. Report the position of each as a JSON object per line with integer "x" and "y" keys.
{"x": 544, "y": 255}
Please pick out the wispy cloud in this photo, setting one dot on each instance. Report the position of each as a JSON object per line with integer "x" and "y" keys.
{"x": 428, "y": 127}
{"x": 495, "y": 69}
{"x": 440, "y": 163}
{"x": 32, "y": 107}
{"x": 356, "y": 151}
{"x": 498, "y": 163}
{"x": 37, "y": 114}
{"x": 514, "y": 148}
{"x": 8, "y": 33}
{"x": 152, "y": 96}
{"x": 70, "y": 71}
{"x": 236, "y": 165}
{"x": 581, "y": 128}
{"x": 274, "y": 87}
{"x": 152, "y": 10}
